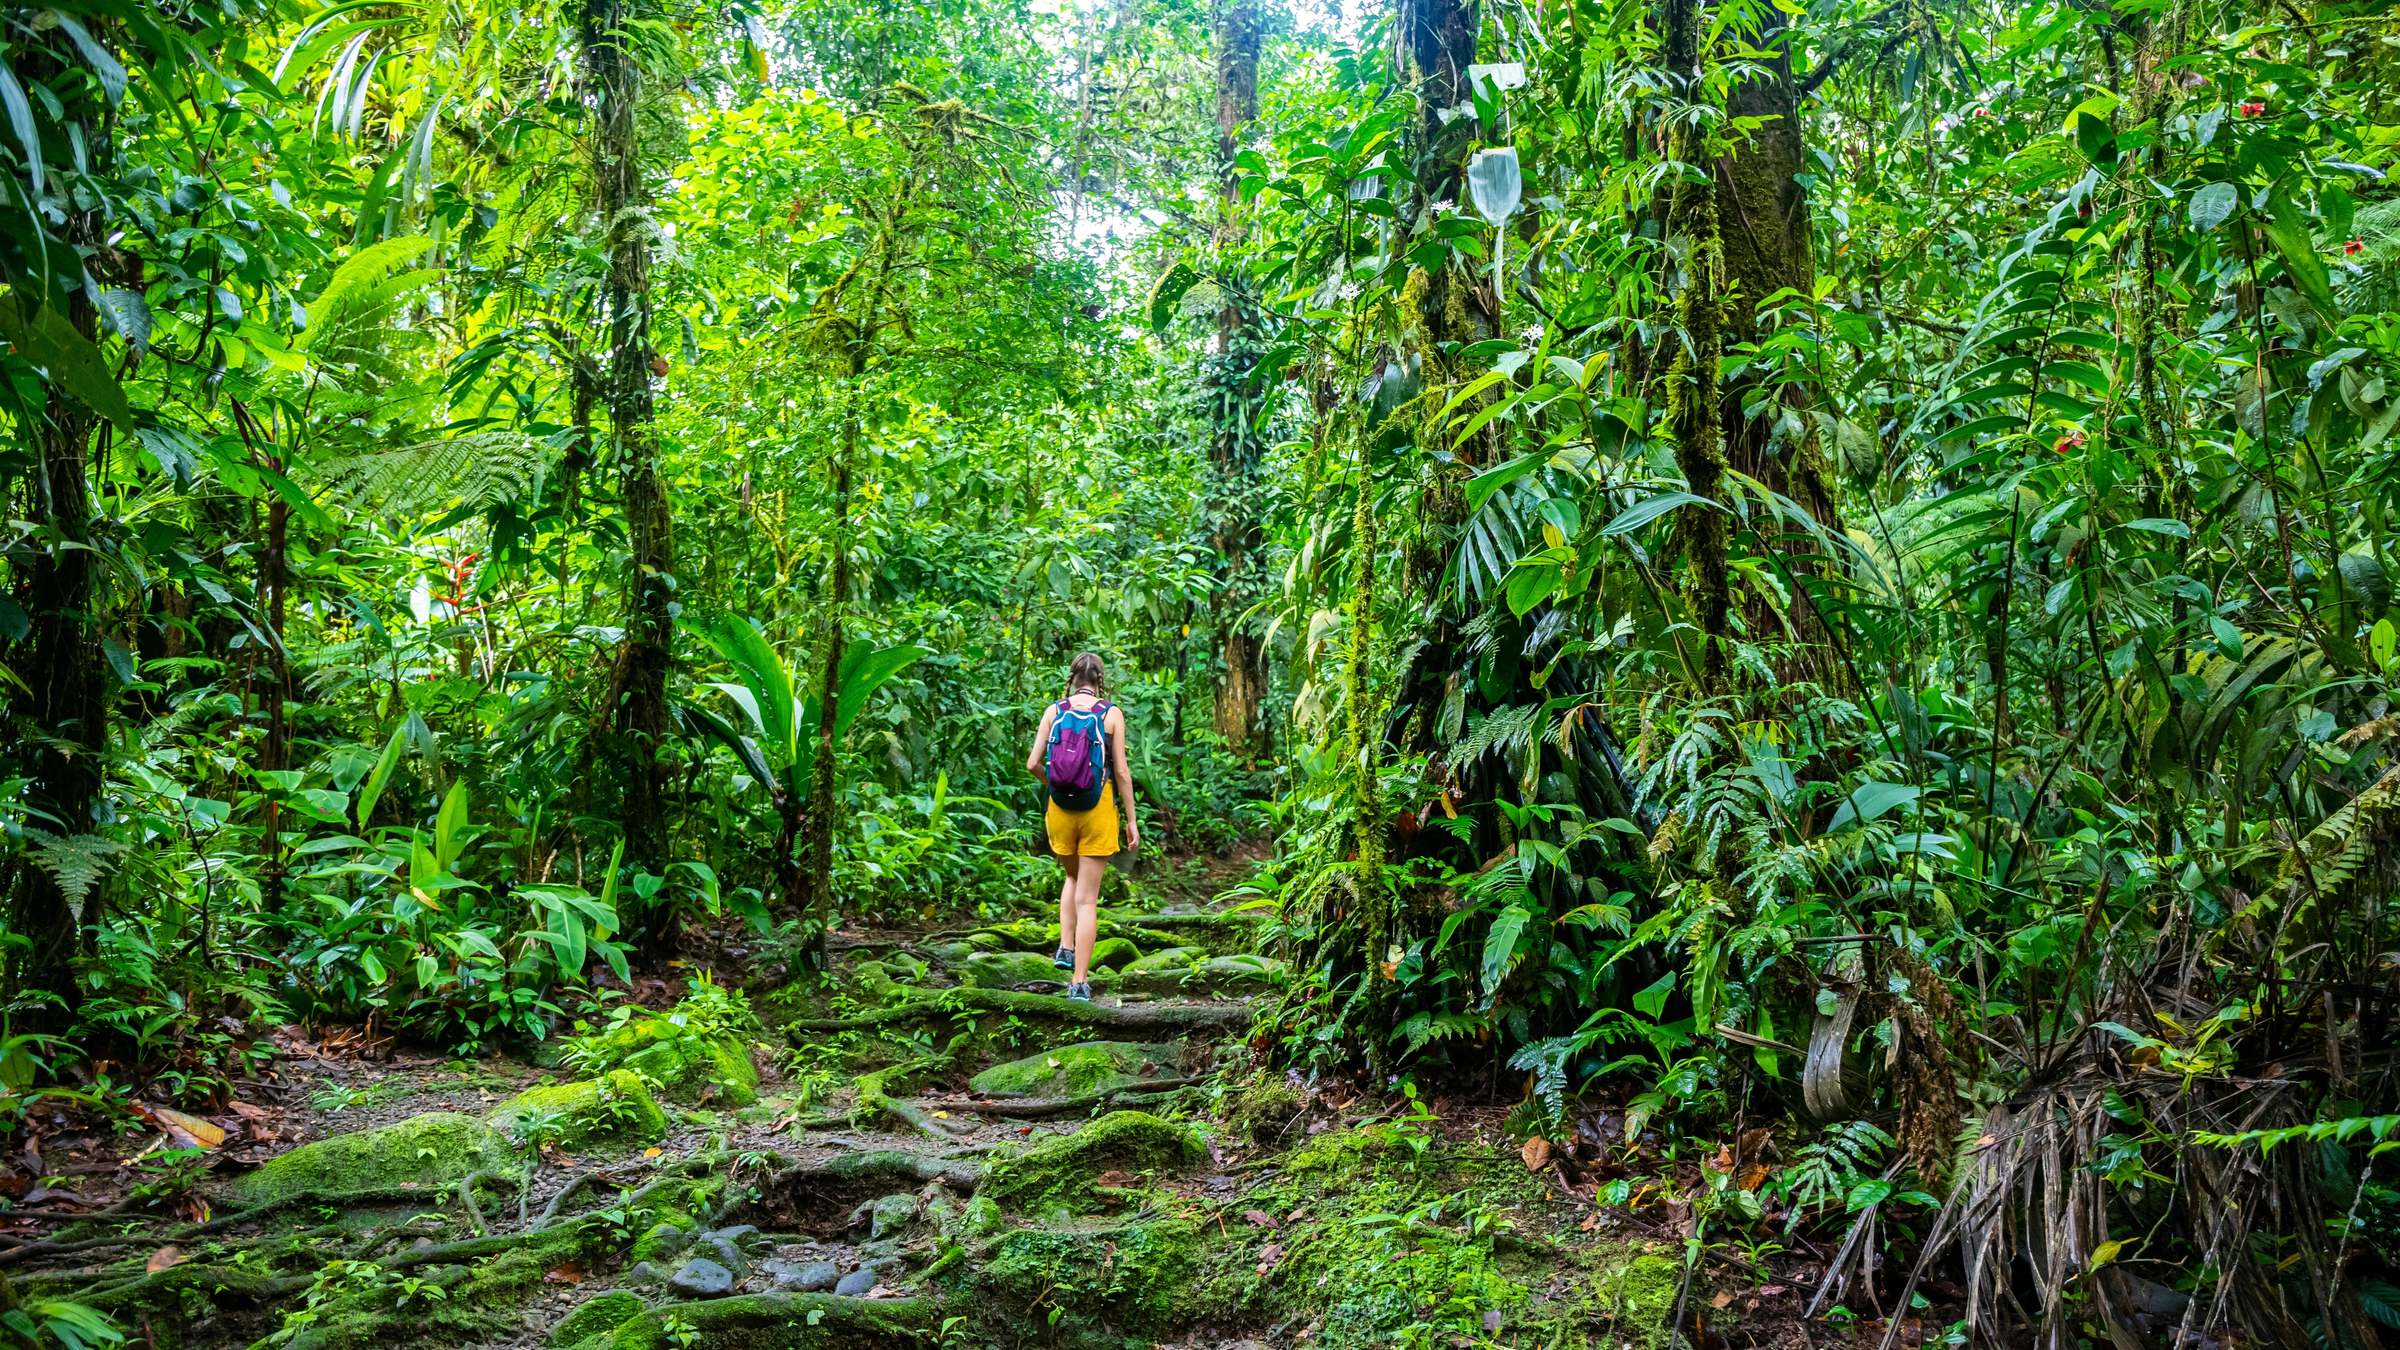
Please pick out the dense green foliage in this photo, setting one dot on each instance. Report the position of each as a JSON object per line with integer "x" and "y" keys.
{"x": 1823, "y": 562}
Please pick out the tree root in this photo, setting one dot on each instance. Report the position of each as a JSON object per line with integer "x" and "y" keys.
{"x": 466, "y": 1196}
{"x": 965, "y": 1002}
{"x": 1034, "y": 1108}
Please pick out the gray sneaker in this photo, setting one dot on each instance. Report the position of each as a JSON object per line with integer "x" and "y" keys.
{"x": 1081, "y": 993}
{"x": 1065, "y": 960}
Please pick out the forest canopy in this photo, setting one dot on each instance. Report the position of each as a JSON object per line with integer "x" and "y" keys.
{"x": 1685, "y": 567}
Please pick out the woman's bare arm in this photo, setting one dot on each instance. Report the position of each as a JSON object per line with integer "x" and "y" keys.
{"x": 1124, "y": 776}
{"x": 1041, "y": 738}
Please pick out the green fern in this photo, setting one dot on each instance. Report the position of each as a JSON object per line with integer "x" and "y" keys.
{"x": 1829, "y": 1165}
{"x": 76, "y": 862}
{"x": 460, "y": 473}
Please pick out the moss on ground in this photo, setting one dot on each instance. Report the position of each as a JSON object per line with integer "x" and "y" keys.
{"x": 688, "y": 1067}
{"x": 1637, "y": 1294}
{"x": 779, "y": 1322}
{"x": 613, "y": 1111}
{"x": 433, "y": 1150}
{"x": 1141, "y": 1278}
{"x": 1173, "y": 958}
{"x": 598, "y": 1318}
{"x": 1114, "y": 953}
{"x": 1263, "y": 1110}
{"x": 1063, "y": 1170}
{"x": 1076, "y": 1070}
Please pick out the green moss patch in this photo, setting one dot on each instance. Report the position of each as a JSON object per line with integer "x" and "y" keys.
{"x": 599, "y": 1318}
{"x": 1067, "y": 1169}
{"x": 614, "y": 1111}
{"x": 432, "y": 1150}
{"x": 1140, "y": 1277}
{"x": 1114, "y": 953}
{"x": 688, "y": 1067}
{"x": 780, "y": 1322}
{"x": 1173, "y": 958}
{"x": 1076, "y": 1070}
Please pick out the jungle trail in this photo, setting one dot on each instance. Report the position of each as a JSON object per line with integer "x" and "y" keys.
{"x": 1757, "y": 643}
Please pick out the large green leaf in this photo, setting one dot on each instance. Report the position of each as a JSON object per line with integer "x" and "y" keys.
{"x": 43, "y": 336}
{"x": 765, "y": 676}
{"x": 2289, "y": 230}
{"x": 865, "y": 670}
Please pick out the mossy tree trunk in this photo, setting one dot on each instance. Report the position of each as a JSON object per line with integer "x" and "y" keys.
{"x": 1765, "y": 244}
{"x": 1694, "y": 391}
{"x": 620, "y": 198}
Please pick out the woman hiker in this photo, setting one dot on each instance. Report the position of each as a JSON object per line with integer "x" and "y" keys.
{"x": 1079, "y": 753}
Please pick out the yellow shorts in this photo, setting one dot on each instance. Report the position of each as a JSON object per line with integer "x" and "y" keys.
{"x": 1089, "y": 834}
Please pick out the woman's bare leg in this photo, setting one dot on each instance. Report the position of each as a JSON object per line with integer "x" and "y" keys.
{"x": 1066, "y": 901}
{"x": 1087, "y": 914}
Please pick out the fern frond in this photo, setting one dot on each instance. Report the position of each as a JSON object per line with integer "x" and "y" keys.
{"x": 76, "y": 862}
{"x": 461, "y": 472}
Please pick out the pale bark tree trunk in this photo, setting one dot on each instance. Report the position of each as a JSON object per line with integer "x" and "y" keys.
{"x": 1233, "y": 452}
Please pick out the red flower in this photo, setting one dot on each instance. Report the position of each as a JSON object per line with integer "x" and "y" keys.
{"x": 2354, "y": 248}
{"x": 2253, "y": 108}
{"x": 2073, "y": 440}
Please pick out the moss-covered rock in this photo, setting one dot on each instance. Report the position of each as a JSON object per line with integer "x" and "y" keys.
{"x": 1221, "y": 976}
{"x": 432, "y": 1150}
{"x": 613, "y": 1111}
{"x": 1114, "y": 953}
{"x": 599, "y": 1318}
{"x": 1003, "y": 970}
{"x": 689, "y": 1067}
{"x": 1638, "y": 1294}
{"x": 780, "y": 1322}
{"x": 1075, "y": 1070}
{"x": 1140, "y": 1277}
{"x": 1263, "y": 1109}
{"x": 1343, "y": 1150}
{"x": 1064, "y": 1170}
{"x": 1173, "y": 958}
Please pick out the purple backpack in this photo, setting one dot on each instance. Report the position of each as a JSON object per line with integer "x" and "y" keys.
{"x": 1078, "y": 755}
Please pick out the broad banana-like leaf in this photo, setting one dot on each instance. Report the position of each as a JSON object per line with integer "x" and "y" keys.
{"x": 865, "y": 670}
{"x": 768, "y": 680}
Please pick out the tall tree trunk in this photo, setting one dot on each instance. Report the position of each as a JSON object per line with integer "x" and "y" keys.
{"x": 65, "y": 697}
{"x": 620, "y": 198}
{"x": 1437, "y": 44}
{"x": 1694, "y": 410}
{"x": 1233, "y": 380}
{"x": 1766, "y": 244}
{"x": 860, "y": 344}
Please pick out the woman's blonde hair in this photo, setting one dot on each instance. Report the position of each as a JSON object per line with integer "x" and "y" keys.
{"x": 1084, "y": 672}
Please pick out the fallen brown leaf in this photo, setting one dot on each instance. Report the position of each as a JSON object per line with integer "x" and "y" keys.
{"x": 248, "y": 1112}
{"x": 1120, "y": 1180}
{"x": 1259, "y": 1218}
{"x": 188, "y": 1131}
{"x": 1268, "y": 1258}
{"x": 1724, "y": 1299}
{"x": 1536, "y": 1153}
{"x": 569, "y": 1273}
{"x": 165, "y": 1257}
{"x": 881, "y": 1291}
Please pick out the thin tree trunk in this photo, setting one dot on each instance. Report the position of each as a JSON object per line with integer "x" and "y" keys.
{"x": 619, "y": 197}
{"x": 1234, "y": 450}
{"x": 861, "y": 344}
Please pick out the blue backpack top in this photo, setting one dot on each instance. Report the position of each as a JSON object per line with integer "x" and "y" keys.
{"x": 1078, "y": 764}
